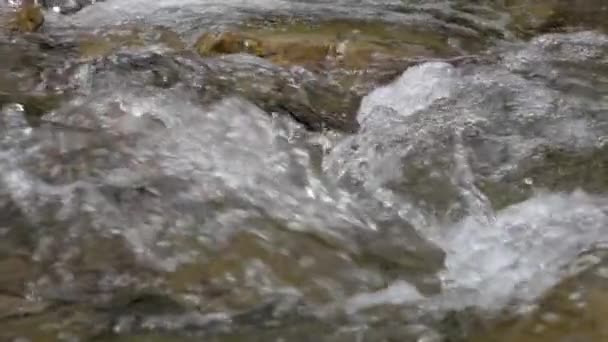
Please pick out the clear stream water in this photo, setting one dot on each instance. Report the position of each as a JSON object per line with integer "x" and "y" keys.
{"x": 132, "y": 211}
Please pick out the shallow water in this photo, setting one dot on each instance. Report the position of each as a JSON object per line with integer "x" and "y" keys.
{"x": 148, "y": 193}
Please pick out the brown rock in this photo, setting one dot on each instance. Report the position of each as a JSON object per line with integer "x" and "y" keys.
{"x": 28, "y": 18}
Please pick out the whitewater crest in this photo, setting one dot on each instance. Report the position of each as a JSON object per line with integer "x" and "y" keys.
{"x": 450, "y": 128}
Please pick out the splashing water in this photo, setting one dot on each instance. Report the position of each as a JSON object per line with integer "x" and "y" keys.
{"x": 437, "y": 203}
{"x": 436, "y": 118}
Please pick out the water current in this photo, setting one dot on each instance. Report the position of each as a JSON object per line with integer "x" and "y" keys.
{"x": 148, "y": 193}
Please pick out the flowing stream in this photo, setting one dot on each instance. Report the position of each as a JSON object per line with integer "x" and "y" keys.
{"x": 439, "y": 172}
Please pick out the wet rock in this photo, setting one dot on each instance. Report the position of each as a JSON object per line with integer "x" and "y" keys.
{"x": 11, "y": 307}
{"x": 277, "y": 268}
{"x": 304, "y": 266}
{"x": 318, "y": 106}
{"x": 122, "y": 38}
{"x": 55, "y": 323}
{"x": 34, "y": 105}
{"x": 286, "y": 52}
{"x": 92, "y": 46}
{"x": 551, "y": 169}
{"x": 133, "y": 304}
{"x": 16, "y": 272}
{"x": 210, "y": 44}
{"x": 533, "y": 17}
{"x": 312, "y": 99}
{"x": 351, "y": 44}
{"x": 170, "y": 38}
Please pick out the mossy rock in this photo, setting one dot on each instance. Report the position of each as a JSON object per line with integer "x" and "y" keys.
{"x": 28, "y": 18}
{"x": 217, "y": 43}
{"x": 346, "y": 43}
{"x": 278, "y": 49}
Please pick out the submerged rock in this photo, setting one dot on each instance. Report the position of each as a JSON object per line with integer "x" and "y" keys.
{"x": 343, "y": 60}
{"x": 533, "y": 17}
{"x": 108, "y": 42}
{"x": 280, "y": 51}
{"x": 346, "y": 43}
{"x": 226, "y": 43}
{"x": 554, "y": 170}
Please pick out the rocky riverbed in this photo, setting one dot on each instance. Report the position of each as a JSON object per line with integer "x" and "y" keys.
{"x": 282, "y": 170}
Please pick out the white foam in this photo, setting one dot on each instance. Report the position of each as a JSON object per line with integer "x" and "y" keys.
{"x": 398, "y": 293}
{"x": 416, "y": 89}
{"x": 525, "y": 252}
{"x": 492, "y": 257}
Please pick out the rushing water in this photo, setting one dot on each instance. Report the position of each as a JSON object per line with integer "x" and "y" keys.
{"x": 157, "y": 196}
